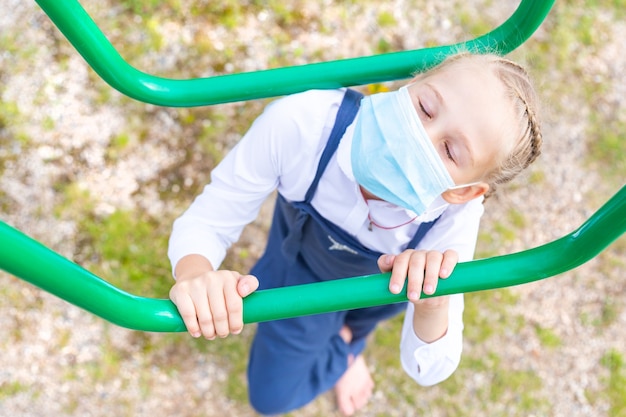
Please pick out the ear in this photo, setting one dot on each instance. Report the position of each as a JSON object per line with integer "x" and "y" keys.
{"x": 465, "y": 194}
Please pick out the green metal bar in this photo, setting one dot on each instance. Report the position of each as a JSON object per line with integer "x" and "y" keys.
{"x": 33, "y": 262}
{"x": 78, "y": 27}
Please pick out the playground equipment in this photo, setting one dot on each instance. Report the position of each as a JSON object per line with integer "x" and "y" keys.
{"x": 90, "y": 42}
{"x": 30, "y": 260}
{"x": 37, "y": 264}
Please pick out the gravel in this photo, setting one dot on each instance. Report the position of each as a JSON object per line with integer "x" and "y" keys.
{"x": 50, "y": 348}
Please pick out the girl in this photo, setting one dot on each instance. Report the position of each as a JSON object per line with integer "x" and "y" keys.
{"x": 396, "y": 184}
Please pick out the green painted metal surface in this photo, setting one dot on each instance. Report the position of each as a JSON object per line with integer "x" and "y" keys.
{"x": 31, "y": 261}
{"x": 37, "y": 264}
{"x": 80, "y": 29}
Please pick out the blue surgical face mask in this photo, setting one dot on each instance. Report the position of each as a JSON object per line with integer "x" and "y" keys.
{"x": 392, "y": 155}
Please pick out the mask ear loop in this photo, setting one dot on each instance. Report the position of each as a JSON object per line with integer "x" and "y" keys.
{"x": 469, "y": 184}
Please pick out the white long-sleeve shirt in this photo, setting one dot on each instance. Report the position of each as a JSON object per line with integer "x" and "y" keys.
{"x": 281, "y": 151}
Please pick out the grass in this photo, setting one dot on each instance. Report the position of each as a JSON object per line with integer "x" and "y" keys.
{"x": 547, "y": 337}
{"x": 615, "y": 382}
{"x": 8, "y": 112}
{"x": 8, "y": 389}
{"x": 607, "y": 146}
{"x": 127, "y": 246}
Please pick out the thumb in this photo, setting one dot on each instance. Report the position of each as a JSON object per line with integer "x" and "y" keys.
{"x": 246, "y": 285}
{"x": 385, "y": 262}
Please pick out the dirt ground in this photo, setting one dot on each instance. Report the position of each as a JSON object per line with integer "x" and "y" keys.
{"x": 49, "y": 349}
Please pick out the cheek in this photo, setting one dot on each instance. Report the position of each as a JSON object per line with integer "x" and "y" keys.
{"x": 490, "y": 164}
{"x": 502, "y": 146}
{"x": 459, "y": 176}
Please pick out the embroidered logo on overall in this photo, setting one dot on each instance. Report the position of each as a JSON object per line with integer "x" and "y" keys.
{"x": 338, "y": 246}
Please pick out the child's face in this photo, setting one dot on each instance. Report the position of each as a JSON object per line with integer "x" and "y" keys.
{"x": 466, "y": 114}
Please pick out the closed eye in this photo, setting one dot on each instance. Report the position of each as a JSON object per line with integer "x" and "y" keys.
{"x": 448, "y": 153}
{"x": 424, "y": 110}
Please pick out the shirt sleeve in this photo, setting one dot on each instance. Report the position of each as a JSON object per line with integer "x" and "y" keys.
{"x": 431, "y": 363}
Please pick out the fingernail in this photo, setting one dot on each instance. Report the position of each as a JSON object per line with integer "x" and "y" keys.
{"x": 443, "y": 272}
{"x": 414, "y": 296}
{"x": 195, "y": 334}
{"x": 395, "y": 288}
{"x": 428, "y": 289}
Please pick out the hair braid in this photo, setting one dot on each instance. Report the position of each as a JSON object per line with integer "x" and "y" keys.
{"x": 529, "y": 139}
{"x": 524, "y": 95}
{"x": 536, "y": 137}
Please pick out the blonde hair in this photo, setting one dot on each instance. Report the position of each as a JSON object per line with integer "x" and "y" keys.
{"x": 526, "y": 145}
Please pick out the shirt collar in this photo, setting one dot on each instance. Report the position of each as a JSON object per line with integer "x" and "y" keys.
{"x": 343, "y": 153}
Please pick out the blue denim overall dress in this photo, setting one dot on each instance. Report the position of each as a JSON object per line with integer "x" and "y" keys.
{"x": 294, "y": 360}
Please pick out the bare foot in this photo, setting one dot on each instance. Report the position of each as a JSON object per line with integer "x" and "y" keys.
{"x": 354, "y": 388}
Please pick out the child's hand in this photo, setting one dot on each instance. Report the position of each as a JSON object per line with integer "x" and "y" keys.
{"x": 211, "y": 303}
{"x": 423, "y": 270}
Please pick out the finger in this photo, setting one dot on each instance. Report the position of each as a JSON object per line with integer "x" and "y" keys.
{"x": 234, "y": 307}
{"x": 416, "y": 275}
{"x": 204, "y": 317}
{"x": 246, "y": 285}
{"x": 399, "y": 269}
{"x": 217, "y": 303}
{"x": 450, "y": 259}
{"x": 385, "y": 262}
{"x": 431, "y": 274}
{"x": 187, "y": 311}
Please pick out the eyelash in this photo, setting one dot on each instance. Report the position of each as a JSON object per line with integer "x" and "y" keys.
{"x": 448, "y": 152}
{"x": 424, "y": 110}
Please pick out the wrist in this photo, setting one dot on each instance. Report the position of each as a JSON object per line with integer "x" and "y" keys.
{"x": 430, "y": 323}
{"x": 192, "y": 266}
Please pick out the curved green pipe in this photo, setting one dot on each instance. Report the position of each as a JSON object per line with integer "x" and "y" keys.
{"x": 78, "y": 27}
{"x": 31, "y": 261}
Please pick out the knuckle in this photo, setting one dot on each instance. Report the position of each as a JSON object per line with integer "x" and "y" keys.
{"x": 234, "y": 304}
{"x": 222, "y": 333}
{"x": 235, "y": 309}
{"x": 417, "y": 261}
{"x": 236, "y": 327}
{"x": 192, "y": 327}
{"x": 220, "y": 317}
{"x": 434, "y": 255}
{"x": 188, "y": 317}
{"x": 206, "y": 323}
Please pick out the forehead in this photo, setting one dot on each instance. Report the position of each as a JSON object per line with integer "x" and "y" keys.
{"x": 469, "y": 82}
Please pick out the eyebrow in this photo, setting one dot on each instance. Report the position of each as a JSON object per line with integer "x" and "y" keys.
{"x": 459, "y": 137}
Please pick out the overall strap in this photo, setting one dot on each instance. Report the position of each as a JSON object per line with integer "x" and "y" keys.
{"x": 345, "y": 115}
{"x": 420, "y": 233}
